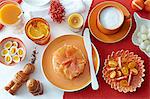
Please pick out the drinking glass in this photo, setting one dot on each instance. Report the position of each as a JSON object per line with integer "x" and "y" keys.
{"x": 11, "y": 15}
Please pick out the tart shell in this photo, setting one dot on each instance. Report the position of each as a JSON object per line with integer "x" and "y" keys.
{"x": 136, "y": 80}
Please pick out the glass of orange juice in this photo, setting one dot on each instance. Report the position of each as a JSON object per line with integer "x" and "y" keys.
{"x": 11, "y": 15}
{"x": 38, "y": 30}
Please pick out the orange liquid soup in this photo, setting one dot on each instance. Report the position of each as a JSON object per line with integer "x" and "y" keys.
{"x": 9, "y": 14}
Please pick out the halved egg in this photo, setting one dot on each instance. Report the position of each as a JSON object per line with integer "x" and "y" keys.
{"x": 4, "y": 52}
{"x": 8, "y": 45}
{"x": 8, "y": 59}
{"x": 13, "y": 50}
{"x": 16, "y": 59}
{"x": 20, "y": 52}
{"x": 15, "y": 44}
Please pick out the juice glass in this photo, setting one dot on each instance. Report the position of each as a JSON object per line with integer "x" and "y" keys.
{"x": 75, "y": 22}
{"x": 11, "y": 15}
{"x": 38, "y": 30}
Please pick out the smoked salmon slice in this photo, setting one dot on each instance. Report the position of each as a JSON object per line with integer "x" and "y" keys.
{"x": 69, "y": 60}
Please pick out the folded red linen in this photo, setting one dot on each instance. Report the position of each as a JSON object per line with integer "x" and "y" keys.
{"x": 105, "y": 91}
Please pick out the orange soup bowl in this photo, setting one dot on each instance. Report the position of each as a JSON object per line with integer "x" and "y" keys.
{"x": 102, "y": 28}
{"x": 39, "y": 40}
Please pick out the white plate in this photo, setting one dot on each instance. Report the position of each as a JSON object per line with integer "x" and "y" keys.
{"x": 37, "y": 2}
{"x": 139, "y": 22}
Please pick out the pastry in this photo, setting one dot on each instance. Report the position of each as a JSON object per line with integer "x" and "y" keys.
{"x": 69, "y": 61}
{"x": 34, "y": 87}
{"x": 137, "y": 5}
{"x": 20, "y": 78}
{"x": 147, "y": 5}
{"x": 124, "y": 71}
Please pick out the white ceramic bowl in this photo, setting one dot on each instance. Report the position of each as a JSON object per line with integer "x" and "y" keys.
{"x": 37, "y": 2}
{"x": 139, "y": 22}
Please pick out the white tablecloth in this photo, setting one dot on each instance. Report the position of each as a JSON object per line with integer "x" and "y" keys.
{"x": 7, "y": 73}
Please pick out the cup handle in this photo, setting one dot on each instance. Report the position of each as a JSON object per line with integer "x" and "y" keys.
{"x": 127, "y": 17}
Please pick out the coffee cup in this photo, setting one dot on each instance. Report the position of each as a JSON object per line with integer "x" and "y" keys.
{"x": 110, "y": 19}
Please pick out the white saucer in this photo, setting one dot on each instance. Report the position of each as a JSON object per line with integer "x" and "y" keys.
{"x": 37, "y": 2}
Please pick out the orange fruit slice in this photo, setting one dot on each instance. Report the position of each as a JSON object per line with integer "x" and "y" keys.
{"x": 134, "y": 70}
{"x": 39, "y": 31}
{"x": 112, "y": 63}
{"x": 113, "y": 74}
{"x": 125, "y": 71}
{"x": 124, "y": 83}
{"x": 43, "y": 28}
{"x": 132, "y": 64}
{"x": 34, "y": 33}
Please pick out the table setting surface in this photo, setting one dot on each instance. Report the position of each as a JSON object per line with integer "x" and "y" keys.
{"x": 102, "y": 50}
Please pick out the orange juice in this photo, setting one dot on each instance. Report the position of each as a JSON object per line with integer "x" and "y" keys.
{"x": 9, "y": 13}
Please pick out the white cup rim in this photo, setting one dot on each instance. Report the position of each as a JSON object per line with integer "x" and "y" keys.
{"x": 122, "y": 19}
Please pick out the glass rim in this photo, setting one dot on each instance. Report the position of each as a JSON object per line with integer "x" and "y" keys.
{"x": 81, "y": 17}
{"x": 18, "y": 5}
{"x": 35, "y": 19}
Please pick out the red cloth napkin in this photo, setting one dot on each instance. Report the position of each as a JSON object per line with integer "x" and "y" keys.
{"x": 105, "y": 91}
{"x": 19, "y": 1}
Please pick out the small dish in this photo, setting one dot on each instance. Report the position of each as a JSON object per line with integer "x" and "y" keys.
{"x": 121, "y": 34}
{"x": 61, "y": 82}
{"x": 75, "y": 22}
{"x": 37, "y": 2}
{"x": 139, "y": 22}
{"x": 124, "y": 71}
{"x": 20, "y": 45}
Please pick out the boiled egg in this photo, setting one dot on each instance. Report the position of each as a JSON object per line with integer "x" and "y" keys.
{"x": 8, "y": 59}
{"x": 16, "y": 59}
{"x": 148, "y": 48}
{"x": 143, "y": 29}
{"x": 149, "y": 30}
{"x": 20, "y": 52}
{"x": 8, "y": 45}
{"x": 15, "y": 44}
{"x": 139, "y": 34}
{"x": 140, "y": 41}
{"x": 143, "y": 36}
{"x": 13, "y": 50}
{"x": 142, "y": 46}
{"x": 147, "y": 42}
{"x": 4, "y": 52}
{"x": 148, "y": 36}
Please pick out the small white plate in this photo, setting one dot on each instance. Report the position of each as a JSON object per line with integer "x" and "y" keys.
{"x": 139, "y": 22}
{"x": 37, "y": 2}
